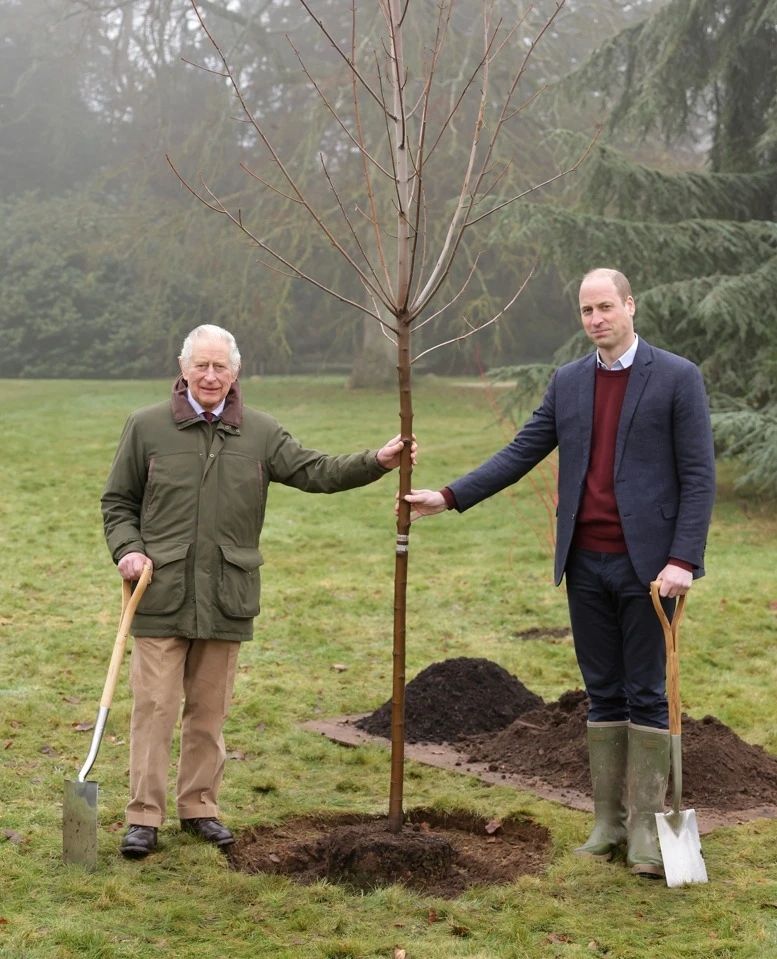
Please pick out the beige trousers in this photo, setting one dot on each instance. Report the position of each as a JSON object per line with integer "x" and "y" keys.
{"x": 163, "y": 672}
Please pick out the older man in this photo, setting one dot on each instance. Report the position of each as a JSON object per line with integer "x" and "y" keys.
{"x": 636, "y": 486}
{"x": 187, "y": 491}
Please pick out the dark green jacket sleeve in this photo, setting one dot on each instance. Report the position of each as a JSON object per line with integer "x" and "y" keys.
{"x": 123, "y": 494}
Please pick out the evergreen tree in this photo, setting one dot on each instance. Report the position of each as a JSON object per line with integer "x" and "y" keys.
{"x": 700, "y": 246}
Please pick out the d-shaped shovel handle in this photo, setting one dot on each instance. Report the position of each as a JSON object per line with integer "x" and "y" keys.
{"x": 671, "y": 641}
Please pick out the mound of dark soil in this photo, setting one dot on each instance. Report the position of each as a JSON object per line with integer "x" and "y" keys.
{"x": 453, "y": 699}
{"x": 720, "y": 770}
{"x": 441, "y": 854}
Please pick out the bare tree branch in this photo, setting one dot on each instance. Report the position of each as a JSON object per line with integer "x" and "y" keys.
{"x": 450, "y": 303}
{"x": 477, "y": 329}
{"x": 373, "y": 217}
{"x": 385, "y": 297}
{"x": 336, "y": 115}
{"x": 538, "y": 186}
{"x": 217, "y": 206}
{"x": 277, "y": 160}
{"x": 351, "y": 65}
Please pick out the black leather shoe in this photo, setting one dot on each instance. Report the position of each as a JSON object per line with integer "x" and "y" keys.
{"x": 138, "y": 841}
{"x": 211, "y": 830}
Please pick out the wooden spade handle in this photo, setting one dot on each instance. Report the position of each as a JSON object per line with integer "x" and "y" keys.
{"x": 130, "y": 600}
{"x": 671, "y": 640}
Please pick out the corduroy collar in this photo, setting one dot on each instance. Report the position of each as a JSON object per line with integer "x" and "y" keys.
{"x": 231, "y": 415}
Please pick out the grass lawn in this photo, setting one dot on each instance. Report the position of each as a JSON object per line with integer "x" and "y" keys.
{"x": 327, "y": 600}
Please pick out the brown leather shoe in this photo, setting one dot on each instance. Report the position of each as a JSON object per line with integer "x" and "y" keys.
{"x": 211, "y": 830}
{"x": 138, "y": 841}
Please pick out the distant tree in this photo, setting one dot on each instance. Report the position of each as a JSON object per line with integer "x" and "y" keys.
{"x": 699, "y": 245}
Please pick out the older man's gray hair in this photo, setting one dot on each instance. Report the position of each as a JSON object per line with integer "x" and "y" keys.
{"x": 216, "y": 332}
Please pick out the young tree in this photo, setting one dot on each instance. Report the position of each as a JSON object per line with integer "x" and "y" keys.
{"x": 391, "y": 122}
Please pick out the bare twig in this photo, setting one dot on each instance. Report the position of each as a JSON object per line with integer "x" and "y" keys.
{"x": 450, "y": 303}
{"x": 385, "y": 297}
{"x": 477, "y": 329}
{"x": 277, "y": 160}
{"x": 351, "y": 65}
{"x": 538, "y": 186}
{"x": 338, "y": 119}
{"x": 218, "y": 207}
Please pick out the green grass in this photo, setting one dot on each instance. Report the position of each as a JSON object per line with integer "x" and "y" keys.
{"x": 327, "y": 598}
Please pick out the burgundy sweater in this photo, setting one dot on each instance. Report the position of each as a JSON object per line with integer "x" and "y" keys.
{"x": 598, "y": 523}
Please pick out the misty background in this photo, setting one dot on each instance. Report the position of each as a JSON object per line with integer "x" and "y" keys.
{"x": 106, "y": 261}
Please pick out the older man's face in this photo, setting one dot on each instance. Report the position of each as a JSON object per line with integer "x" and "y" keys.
{"x": 208, "y": 372}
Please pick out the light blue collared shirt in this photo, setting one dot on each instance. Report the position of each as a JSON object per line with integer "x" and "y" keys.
{"x": 199, "y": 410}
{"x": 624, "y": 362}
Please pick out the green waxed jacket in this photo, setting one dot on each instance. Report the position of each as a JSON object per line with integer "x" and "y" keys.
{"x": 192, "y": 497}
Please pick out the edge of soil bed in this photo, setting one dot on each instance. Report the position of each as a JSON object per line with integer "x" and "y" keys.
{"x": 343, "y": 731}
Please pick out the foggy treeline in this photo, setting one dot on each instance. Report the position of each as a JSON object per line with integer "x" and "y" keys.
{"x": 107, "y": 261}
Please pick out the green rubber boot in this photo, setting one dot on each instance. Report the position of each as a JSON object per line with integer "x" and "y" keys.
{"x": 647, "y": 777}
{"x": 607, "y": 751}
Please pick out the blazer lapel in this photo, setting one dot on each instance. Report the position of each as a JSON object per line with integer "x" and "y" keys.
{"x": 638, "y": 378}
{"x": 585, "y": 406}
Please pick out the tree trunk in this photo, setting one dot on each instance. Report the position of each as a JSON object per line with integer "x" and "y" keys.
{"x": 396, "y": 815}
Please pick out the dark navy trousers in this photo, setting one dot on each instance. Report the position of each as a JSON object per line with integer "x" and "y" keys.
{"x": 618, "y": 639}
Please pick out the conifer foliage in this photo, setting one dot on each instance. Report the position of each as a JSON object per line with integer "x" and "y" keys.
{"x": 700, "y": 246}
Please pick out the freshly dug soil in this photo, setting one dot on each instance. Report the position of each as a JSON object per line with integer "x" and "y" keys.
{"x": 453, "y": 699}
{"x": 441, "y": 854}
{"x": 720, "y": 770}
{"x": 493, "y": 719}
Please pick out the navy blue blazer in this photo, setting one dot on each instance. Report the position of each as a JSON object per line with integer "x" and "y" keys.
{"x": 664, "y": 472}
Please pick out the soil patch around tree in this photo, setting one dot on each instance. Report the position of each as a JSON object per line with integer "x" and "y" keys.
{"x": 440, "y": 854}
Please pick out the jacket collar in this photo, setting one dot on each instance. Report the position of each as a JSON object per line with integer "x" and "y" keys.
{"x": 232, "y": 414}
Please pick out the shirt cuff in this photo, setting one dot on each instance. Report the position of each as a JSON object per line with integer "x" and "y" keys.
{"x": 688, "y": 567}
{"x": 450, "y": 499}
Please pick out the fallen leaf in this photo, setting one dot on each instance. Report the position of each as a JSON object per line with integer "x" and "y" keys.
{"x": 273, "y": 858}
{"x": 593, "y": 945}
{"x": 115, "y": 827}
{"x": 339, "y": 667}
{"x": 83, "y": 727}
{"x": 3, "y": 921}
{"x": 399, "y": 953}
{"x": 236, "y": 754}
{"x": 16, "y": 838}
{"x": 48, "y": 750}
{"x": 773, "y": 605}
{"x": 432, "y": 916}
{"x": 8, "y": 743}
{"x": 558, "y": 937}
{"x": 424, "y": 827}
{"x": 74, "y": 700}
{"x": 461, "y": 931}
{"x": 494, "y": 826}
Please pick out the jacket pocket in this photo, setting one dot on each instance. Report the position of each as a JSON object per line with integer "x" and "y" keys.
{"x": 167, "y": 589}
{"x": 669, "y": 510}
{"x": 239, "y": 586}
